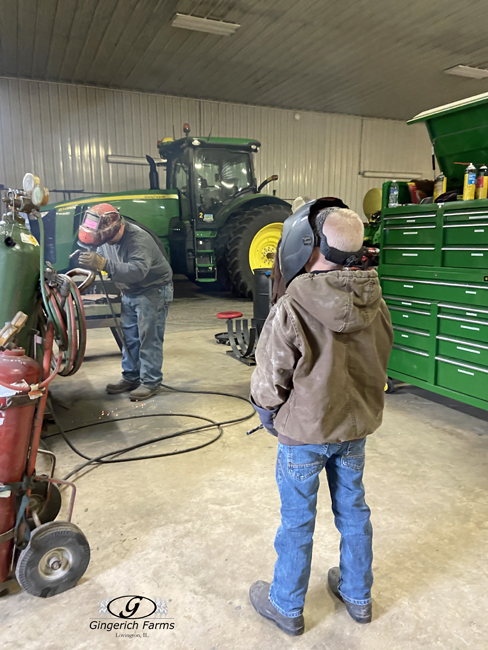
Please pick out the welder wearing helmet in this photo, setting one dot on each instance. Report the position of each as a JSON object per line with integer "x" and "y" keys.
{"x": 319, "y": 387}
{"x": 133, "y": 260}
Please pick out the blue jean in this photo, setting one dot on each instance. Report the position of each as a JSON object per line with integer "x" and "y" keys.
{"x": 297, "y": 475}
{"x": 143, "y": 320}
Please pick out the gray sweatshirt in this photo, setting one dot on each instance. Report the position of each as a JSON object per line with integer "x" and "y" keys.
{"x": 136, "y": 264}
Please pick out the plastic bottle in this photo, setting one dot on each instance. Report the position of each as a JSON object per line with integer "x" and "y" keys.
{"x": 393, "y": 195}
{"x": 469, "y": 183}
{"x": 482, "y": 183}
{"x": 440, "y": 185}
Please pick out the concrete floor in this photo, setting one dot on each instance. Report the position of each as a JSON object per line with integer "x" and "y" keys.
{"x": 197, "y": 529}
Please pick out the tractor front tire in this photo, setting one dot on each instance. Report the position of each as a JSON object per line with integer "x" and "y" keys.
{"x": 236, "y": 238}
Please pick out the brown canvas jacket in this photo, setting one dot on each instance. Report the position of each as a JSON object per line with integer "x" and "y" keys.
{"x": 322, "y": 357}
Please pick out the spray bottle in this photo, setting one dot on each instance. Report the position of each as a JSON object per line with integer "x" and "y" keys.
{"x": 482, "y": 183}
{"x": 440, "y": 185}
{"x": 469, "y": 183}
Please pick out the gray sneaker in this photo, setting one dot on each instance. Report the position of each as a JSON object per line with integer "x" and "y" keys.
{"x": 258, "y": 594}
{"x": 360, "y": 613}
{"x": 122, "y": 386}
{"x": 143, "y": 392}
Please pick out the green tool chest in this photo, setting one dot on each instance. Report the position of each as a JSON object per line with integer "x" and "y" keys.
{"x": 434, "y": 275}
{"x": 434, "y": 266}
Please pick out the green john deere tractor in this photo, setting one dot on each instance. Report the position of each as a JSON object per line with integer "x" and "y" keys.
{"x": 215, "y": 223}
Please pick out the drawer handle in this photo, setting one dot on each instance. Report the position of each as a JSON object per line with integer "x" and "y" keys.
{"x": 408, "y": 304}
{"x": 465, "y": 372}
{"x": 482, "y": 230}
{"x": 470, "y": 313}
{"x": 467, "y": 327}
{"x": 410, "y": 220}
{"x": 410, "y": 254}
{"x": 476, "y": 254}
{"x": 405, "y": 336}
{"x": 468, "y": 350}
{"x": 405, "y": 316}
{"x": 471, "y": 292}
{"x": 408, "y": 286}
{"x": 411, "y": 233}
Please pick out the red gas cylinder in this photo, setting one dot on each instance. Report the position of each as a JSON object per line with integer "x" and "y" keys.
{"x": 15, "y": 432}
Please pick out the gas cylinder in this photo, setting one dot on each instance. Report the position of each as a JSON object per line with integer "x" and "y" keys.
{"x": 19, "y": 275}
{"x": 15, "y": 431}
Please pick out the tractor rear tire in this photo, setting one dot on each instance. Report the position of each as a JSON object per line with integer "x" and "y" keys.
{"x": 235, "y": 241}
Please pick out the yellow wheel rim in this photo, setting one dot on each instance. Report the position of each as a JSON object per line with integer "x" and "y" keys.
{"x": 262, "y": 251}
{"x": 386, "y": 387}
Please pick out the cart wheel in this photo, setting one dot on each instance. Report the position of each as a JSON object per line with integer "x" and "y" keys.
{"x": 390, "y": 386}
{"x": 56, "y": 557}
{"x": 46, "y": 508}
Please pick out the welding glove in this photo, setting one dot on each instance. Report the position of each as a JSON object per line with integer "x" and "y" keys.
{"x": 266, "y": 416}
{"x": 92, "y": 261}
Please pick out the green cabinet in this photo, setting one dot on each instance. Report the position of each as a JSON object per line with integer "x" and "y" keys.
{"x": 434, "y": 275}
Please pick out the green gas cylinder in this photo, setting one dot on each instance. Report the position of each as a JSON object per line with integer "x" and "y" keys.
{"x": 19, "y": 276}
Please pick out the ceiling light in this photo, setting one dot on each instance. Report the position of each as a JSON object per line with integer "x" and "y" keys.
{"x": 130, "y": 160}
{"x": 218, "y": 27}
{"x": 392, "y": 175}
{"x": 467, "y": 71}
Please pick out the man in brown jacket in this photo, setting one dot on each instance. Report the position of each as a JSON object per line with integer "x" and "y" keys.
{"x": 319, "y": 386}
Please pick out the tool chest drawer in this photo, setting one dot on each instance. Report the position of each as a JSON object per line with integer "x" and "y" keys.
{"x": 462, "y": 310}
{"x": 463, "y": 377}
{"x": 466, "y": 234}
{"x": 451, "y": 216}
{"x": 411, "y": 338}
{"x": 455, "y": 326}
{"x": 412, "y": 319}
{"x": 408, "y": 220}
{"x": 412, "y": 256}
{"x": 465, "y": 258}
{"x": 394, "y": 301}
{"x": 462, "y": 350}
{"x": 409, "y": 362}
{"x": 406, "y": 235}
{"x": 473, "y": 294}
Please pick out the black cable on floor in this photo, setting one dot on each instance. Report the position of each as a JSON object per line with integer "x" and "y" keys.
{"x": 109, "y": 457}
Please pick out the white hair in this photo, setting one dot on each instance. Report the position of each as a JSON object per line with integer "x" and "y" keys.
{"x": 344, "y": 230}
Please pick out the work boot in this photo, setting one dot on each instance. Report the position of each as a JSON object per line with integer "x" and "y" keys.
{"x": 122, "y": 386}
{"x": 360, "y": 613}
{"x": 259, "y": 596}
{"x": 143, "y": 392}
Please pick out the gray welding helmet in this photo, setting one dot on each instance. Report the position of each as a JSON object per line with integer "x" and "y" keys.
{"x": 299, "y": 239}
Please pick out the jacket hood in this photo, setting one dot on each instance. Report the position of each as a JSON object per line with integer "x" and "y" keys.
{"x": 344, "y": 301}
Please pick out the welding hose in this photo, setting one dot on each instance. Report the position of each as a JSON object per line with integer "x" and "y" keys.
{"x": 112, "y": 456}
{"x": 66, "y": 315}
{"x": 66, "y": 312}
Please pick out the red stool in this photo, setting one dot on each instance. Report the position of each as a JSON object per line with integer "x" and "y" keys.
{"x": 223, "y": 337}
{"x": 225, "y": 315}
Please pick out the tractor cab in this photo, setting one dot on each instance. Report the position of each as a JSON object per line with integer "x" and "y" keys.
{"x": 217, "y": 188}
{"x": 209, "y": 174}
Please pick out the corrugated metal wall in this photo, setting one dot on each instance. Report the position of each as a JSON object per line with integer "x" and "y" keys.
{"x": 63, "y": 132}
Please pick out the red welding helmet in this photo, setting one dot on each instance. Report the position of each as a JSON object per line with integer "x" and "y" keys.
{"x": 100, "y": 224}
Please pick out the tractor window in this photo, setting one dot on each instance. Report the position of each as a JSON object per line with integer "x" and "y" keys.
{"x": 180, "y": 177}
{"x": 220, "y": 175}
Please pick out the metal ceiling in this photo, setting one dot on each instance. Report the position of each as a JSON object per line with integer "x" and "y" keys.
{"x": 378, "y": 58}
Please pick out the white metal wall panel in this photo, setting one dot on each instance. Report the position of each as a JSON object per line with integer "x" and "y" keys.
{"x": 63, "y": 133}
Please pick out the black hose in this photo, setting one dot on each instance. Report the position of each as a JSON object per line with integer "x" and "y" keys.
{"x": 109, "y": 457}
{"x": 106, "y": 458}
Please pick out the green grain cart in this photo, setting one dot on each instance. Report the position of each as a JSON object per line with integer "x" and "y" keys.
{"x": 214, "y": 221}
